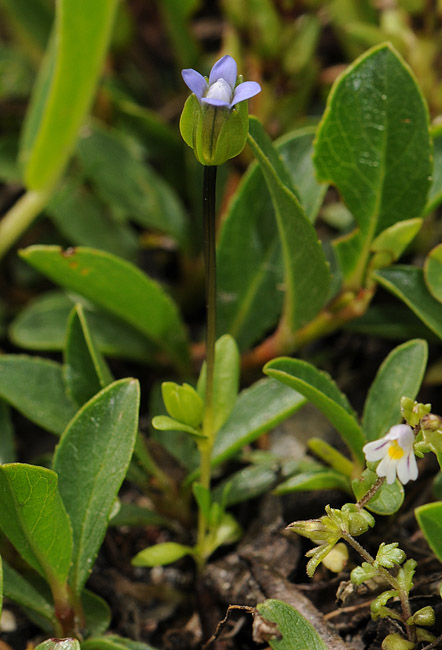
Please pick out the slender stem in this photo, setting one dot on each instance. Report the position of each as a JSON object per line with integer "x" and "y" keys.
{"x": 20, "y": 217}
{"x": 371, "y": 492}
{"x": 209, "y": 249}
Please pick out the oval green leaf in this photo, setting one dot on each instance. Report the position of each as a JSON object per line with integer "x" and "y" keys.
{"x": 373, "y": 144}
{"x": 386, "y": 501}
{"x": 34, "y": 519}
{"x": 297, "y": 632}
{"x": 429, "y": 518}
{"x": 91, "y": 460}
{"x": 400, "y": 374}
{"x": 161, "y": 554}
{"x": 119, "y": 287}
{"x": 35, "y": 387}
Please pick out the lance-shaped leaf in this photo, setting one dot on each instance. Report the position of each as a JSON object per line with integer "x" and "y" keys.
{"x": 373, "y": 143}
{"x": 119, "y": 287}
{"x": 91, "y": 460}
{"x": 35, "y": 387}
{"x": 306, "y": 273}
{"x": 34, "y": 519}
{"x": 321, "y": 390}
{"x": 408, "y": 284}
{"x": 85, "y": 370}
{"x": 18, "y": 589}
{"x": 399, "y": 375}
{"x": 66, "y": 88}
{"x": 250, "y": 277}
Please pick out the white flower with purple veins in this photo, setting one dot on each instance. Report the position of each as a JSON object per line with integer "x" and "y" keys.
{"x": 395, "y": 450}
{"x": 220, "y": 91}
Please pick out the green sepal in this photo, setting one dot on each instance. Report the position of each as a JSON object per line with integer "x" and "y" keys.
{"x": 215, "y": 133}
{"x": 317, "y": 554}
{"x": 182, "y": 403}
{"x": 359, "y": 520}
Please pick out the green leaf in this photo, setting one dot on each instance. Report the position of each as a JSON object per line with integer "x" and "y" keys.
{"x": 408, "y": 284}
{"x": 35, "y": 387}
{"x": 248, "y": 483}
{"x": 435, "y": 194}
{"x": 7, "y": 447}
{"x": 82, "y": 33}
{"x": 113, "y": 642}
{"x": 164, "y": 423}
{"x": 140, "y": 193}
{"x": 21, "y": 591}
{"x": 429, "y": 518}
{"x": 96, "y": 612}
{"x": 297, "y": 632}
{"x": 84, "y": 220}
{"x": 373, "y": 143}
{"x": 225, "y": 380}
{"x": 59, "y": 644}
{"x": 386, "y": 501}
{"x": 42, "y": 326}
{"x": 91, "y": 460}
{"x": 391, "y": 242}
{"x": 433, "y": 272}
{"x": 318, "y": 479}
{"x": 161, "y": 554}
{"x": 85, "y": 370}
{"x": 203, "y": 498}
{"x": 130, "y": 514}
{"x": 391, "y": 321}
{"x": 331, "y": 456}
{"x": 34, "y": 519}
{"x": 33, "y": 20}
{"x": 118, "y": 287}
{"x": 306, "y": 274}
{"x": 249, "y": 278}
{"x": 321, "y": 390}
{"x": 400, "y": 374}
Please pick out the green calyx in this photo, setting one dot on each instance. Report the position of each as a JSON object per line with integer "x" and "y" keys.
{"x": 183, "y": 403}
{"x": 215, "y": 133}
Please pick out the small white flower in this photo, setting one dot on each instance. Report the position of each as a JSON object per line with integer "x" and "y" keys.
{"x": 395, "y": 450}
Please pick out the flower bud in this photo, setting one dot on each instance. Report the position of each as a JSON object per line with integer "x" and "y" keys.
{"x": 396, "y": 642}
{"x": 424, "y": 616}
{"x": 182, "y": 403}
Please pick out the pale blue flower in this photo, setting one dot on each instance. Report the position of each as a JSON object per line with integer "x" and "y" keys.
{"x": 221, "y": 90}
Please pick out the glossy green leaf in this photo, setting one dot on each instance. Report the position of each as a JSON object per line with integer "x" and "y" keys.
{"x": 318, "y": 479}
{"x": 7, "y": 448}
{"x": 408, "y": 284}
{"x": 42, "y": 326}
{"x": 59, "y": 644}
{"x": 35, "y": 387}
{"x": 161, "y": 554}
{"x": 91, "y": 460}
{"x": 225, "y": 380}
{"x": 306, "y": 273}
{"x": 140, "y": 193}
{"x": 391, "y": 321}
{"x": 400, "y": 374}
{"x": 373, "y": 144}
{"x": 433, "y": 272}
{"x": 113, "y": 642}
{"x": 321, "y": 390}
{"x": 331, "y": 456}
{"x": 297, "y": 632}
{"x": 84, "y": 220}
{"x": 118, "y": 287}
{"x": 387, "y": 500}
{"x": 96, "y": 612}
{"x": 82, "y": 34}
{"x": 21, "y": 591}
{"x": 429, "y": 517}
{"x": 85, "y": 370}
{"x": 250, "y": 278}
{"x": 435, "y": 193}
{"x": 34, "y": 519}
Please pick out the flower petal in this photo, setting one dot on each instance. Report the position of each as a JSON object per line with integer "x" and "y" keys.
{"x": 387, "y": 468}
{"x": 225, "y": 69}
{"x": 194, "y": 81}
{"x": 403, "y": 470}
{"x": 246, "y": 90}
{"x": 376, "y": 450}
{"x": 214, "y": 102}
